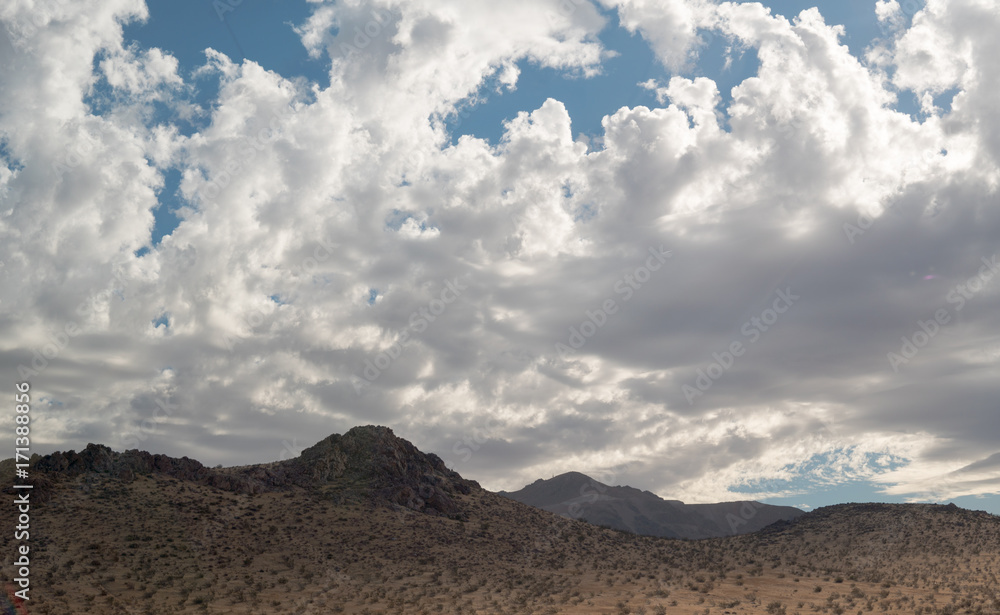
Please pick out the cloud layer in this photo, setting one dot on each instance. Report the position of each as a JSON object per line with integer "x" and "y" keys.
{"x": 512, "y": 306}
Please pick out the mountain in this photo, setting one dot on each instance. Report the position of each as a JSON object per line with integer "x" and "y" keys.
{"x": 367, "y": 463}
{"x": 364, "y": 522}
{"x": 579, "y": 496}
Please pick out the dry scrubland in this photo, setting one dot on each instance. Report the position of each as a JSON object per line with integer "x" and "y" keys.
{"x": 157, "y": 544}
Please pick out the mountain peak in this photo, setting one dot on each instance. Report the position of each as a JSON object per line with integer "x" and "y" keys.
{"x": 576, "y": 495}
{"x": 386, "y": 467}
{"x": 366, "y": 463}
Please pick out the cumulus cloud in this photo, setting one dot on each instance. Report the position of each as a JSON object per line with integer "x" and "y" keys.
{"x": 671, "y": 27}
{"x": 528, "y": 307}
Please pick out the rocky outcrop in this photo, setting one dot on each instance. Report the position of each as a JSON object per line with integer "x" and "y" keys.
{"x": 367, "y": 462}
{"x": 128, "y": 465}
{"x": 100, "y": 458}
{"x": 389, "y": 468}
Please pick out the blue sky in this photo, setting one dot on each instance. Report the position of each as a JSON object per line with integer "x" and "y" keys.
{"x": 262, "y": 31}
{"x": 303, "y": 260}
{"x": 820, "y": 487}
{"x": 863, "y": 491}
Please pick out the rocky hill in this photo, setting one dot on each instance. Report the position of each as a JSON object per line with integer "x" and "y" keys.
{"x": 368, "y": 463}
{"x": 373, "y": 462}
{"x": 579, "y": 496}
{"x": 365, "y": 523}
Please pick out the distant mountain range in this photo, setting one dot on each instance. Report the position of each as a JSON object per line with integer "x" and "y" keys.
{"x": 365, "y": 522}
{"x": 581, "y": 497}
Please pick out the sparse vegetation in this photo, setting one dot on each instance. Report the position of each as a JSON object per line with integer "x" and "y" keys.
{"x": 178, "y": 546}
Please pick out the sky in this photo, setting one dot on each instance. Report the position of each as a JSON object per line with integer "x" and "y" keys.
{"x": 715, "y": 250}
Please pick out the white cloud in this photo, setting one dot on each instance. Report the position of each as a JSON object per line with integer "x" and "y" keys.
{"x": 670, "y": 26}
{"x": 302, "y": 201}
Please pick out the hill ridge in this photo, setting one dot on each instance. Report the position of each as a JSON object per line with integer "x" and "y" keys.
{"x": 366, "y": 462}
{"x": 323, "y": 536}
{"x": 578, "y": 496}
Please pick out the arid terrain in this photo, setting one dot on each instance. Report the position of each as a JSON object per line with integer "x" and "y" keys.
{"x": 361, "y": 537}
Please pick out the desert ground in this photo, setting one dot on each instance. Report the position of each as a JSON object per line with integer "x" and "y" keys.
{"x": 156, "y": 544}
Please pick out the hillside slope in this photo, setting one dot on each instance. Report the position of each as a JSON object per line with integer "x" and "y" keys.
{"x": 327, "y": 534}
